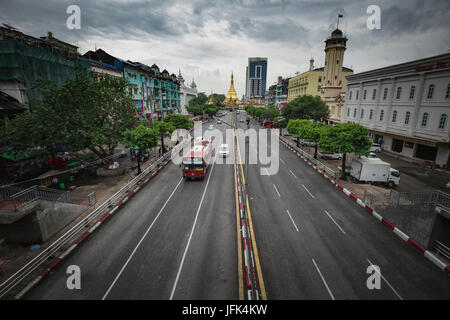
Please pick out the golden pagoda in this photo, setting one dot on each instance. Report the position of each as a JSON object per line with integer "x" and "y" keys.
{"x": 211, "y": 100}
{"x": 232, "y": 98}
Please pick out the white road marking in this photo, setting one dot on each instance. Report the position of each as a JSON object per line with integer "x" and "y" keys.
{"x": 334, "y": 221}
{"x": 192, "y": 232}
{"x": 323, "y": 279}
{"x": 385, "y": 280}
{"x": 140, "y": 241}
{"x": 308, "y": 191}
{"x": 276, "y": 190}
{"x": 267, "y": 171}
{"x": 282, "y": 161}
{"x": 292, "y": 220}
{"x": 292, "y": 173}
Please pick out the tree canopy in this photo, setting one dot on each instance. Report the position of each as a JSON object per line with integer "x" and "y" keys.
{"x": 80, "y": 114}
{"x": 345, "y": 138}
{"x": 179, "y": 121}
{"x": 306, "y": 107}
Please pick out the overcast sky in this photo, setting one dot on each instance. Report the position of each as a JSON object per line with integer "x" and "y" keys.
{"x": 208, "y": 39}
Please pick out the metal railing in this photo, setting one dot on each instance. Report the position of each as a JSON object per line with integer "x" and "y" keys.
{"x": 442, "y": 249}
{"x": 311, "y": 159}
{"x": 424, "y": 198}
{"x": 66, "y": 238}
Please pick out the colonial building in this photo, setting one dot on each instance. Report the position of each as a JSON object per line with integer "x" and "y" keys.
{"x": 186, "y": 93}
{"x": 405, "y": 107}
{"x": 311, "y": 82}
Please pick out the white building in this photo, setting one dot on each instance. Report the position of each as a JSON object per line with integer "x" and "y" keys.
{"x": 186, "y": 93}
{"x": 406, "y": 107}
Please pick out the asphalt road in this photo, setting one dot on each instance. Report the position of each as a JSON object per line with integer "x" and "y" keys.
{"x": 316, "y": 243}
{"x": 175, "y": 239}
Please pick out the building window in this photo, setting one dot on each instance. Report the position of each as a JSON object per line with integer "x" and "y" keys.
{"x": 318, "y": 88}
{"x": 447, "y": 96}
{"x": 407, "y": 116}
{"x": 354, "y": 113}
{"x": 442, "y": 121}
{"x": 362, "y": 113}
{"x": 381, "y": 115}
{"x": 371, "y": 114}
{"x": 385, "y": 93}
{"x": 357, "y": 94}
{"x": 350, "y": 97}
{"x": 320, "y": 79}
{"x": 399, "y": 92}
{"x": 430, "y": 91}
{"x": 348, "y": 112}
{"x": 424, "y": 119}
{"x": 374, "y": 94}
{"x": 411, "y": 92}
{"x": 365, "y": 94}
{"x": 337, "y": 61}
{"x": 394, "y": 116}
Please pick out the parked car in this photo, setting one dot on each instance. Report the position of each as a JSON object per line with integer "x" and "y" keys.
{"x": 219, "y": 121}
{"x": 375, "y": 147}
{"x": 307, "y": 143}
{"x": 211, "y": 127}
{"x": 374, "y": 171}
{"x": 330, "y": 155}
{"x": 267, "y": 123}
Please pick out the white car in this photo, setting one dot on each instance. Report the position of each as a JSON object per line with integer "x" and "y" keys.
{"x": 331, "y": 155}
{"x": 211, "y": 127}
{"x": 375, "y": 147}
{"x": 223, "y": 150}
{"x": 219, "y": 121}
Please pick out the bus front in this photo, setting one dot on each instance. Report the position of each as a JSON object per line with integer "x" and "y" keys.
{"x": 193, "y": 167}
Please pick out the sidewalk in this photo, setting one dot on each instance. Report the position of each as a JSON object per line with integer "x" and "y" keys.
{"x": 414, "y": 177}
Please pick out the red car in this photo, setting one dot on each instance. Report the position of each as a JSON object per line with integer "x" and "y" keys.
{"x": 268, "y": 124}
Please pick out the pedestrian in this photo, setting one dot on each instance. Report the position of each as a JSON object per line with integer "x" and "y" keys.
{"x": 55, "y": 181}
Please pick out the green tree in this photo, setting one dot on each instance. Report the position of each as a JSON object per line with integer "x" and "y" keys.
{"x": 81, "y": 114}
{"x": 345, "y": 138}
{"x": 142, "y": 137}
{"x": 179, "y": 121}
{"x": 279, "y": 122}
{"x": 311, "y": 131}
{"x": 293, "y": 125}
{"x": 199, "y": 100}
{"x": 164, "y": 129}
{"x": 306, "y": 107}
{"x": 195, "y": 110}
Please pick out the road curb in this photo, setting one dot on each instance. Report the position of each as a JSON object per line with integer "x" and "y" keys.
{"x": 427, "y": 254}
{"x": 85, "y": 235}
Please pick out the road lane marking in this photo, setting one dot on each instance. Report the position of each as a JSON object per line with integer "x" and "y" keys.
{"x": 292, "y": 220}
{"x": 385, "y": 280}
{"x": 282, "y": 161}
{"x": 323, "y": 279}
{"x": 192, "y": 232}
{"x": 334, "y": 221}
{"x": 276, "y": 190}
{"x": 308, "y": 191}
{"x": 140, "y": 241}
{"x": 292, "y": 173}
{"x": 267, "y": 172}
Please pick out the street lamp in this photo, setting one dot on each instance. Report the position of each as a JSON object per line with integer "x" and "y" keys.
{"x": 136, "y": 152}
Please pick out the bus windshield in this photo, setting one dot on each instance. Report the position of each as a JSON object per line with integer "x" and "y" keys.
{"x": 192, "y": 163}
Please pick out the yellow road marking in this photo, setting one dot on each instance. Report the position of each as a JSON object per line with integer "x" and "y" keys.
{"x": 255, "y": 249}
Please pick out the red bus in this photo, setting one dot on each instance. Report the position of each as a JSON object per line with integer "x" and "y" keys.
{"x": 196, "y": 161}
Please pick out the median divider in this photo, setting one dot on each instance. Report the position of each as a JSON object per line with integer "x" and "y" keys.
{"x": 333, "y": 178}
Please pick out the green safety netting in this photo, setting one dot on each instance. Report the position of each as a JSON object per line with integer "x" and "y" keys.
{"x": 26, "y": 64}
